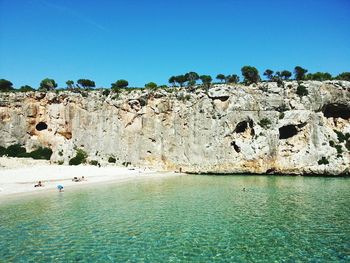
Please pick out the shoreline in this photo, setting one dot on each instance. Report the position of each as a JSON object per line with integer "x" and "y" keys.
{"x": 18, "y": 176}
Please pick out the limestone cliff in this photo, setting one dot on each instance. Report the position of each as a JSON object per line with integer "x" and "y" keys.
{"x": 229, "y": 129}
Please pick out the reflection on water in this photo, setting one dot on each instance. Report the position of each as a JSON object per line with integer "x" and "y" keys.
{"x": 187, "y": 218}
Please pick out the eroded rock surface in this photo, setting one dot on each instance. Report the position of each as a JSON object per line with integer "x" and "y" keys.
{"x": 229, "y": 129}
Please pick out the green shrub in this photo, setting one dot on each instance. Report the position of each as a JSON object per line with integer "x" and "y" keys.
{"x": 342, "y": 137}
{"x": 79, "y": 158}
{"x": 40, "y": 153}
{"x": 323, "y": 160}
{"x": 60, "y": 162}
{"x": 302, "y": 91}
{"x": 339, "y": 149}
{"x": 94, "y": 162}
{"x": 112, "y": 160}
{"x": 15, "y": 150}
{"x": 347, "y": 145}
{"x": 106, "y": 92}
{"x": 60, "y": 153}
{"x": 331, "y": 143}
{"x": 265, "y": 123}
{"x": 2, "y": 151}
{"x": 281, "y": 115}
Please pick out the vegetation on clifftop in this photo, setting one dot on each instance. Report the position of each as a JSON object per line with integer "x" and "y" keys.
{"x": 250, "y": 75}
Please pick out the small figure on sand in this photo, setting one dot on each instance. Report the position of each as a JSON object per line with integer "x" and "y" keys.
{"x": 76, "y": 179}
{"x": 39, "y": 184}
{"x": 243, "y": 189}
{"x": 60, "y": 187}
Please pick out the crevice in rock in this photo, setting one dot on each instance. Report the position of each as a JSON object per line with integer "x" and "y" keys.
{"x": 335, "y": 110}
{"x": 289, "y": 131}
{"x": 221, "y": 98}
{"x": 235, "y": 146}
{"x": 241, "y": 127}
{"x": 41, "y": 126}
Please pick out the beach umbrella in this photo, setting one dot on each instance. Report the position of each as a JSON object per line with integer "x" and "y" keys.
{"x": 60, "y": 187}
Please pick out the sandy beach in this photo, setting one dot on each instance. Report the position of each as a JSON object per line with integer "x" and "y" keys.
{"x": 18, "y": 176}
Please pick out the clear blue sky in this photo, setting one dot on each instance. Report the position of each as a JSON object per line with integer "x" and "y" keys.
{"x": 150, "y": 40}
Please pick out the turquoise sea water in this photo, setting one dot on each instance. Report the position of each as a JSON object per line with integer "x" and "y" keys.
{"x": 183, "y": 219}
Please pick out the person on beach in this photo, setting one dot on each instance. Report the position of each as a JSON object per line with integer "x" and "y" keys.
{"x": 39, "y": 184}
{"x": 60, "y": 187}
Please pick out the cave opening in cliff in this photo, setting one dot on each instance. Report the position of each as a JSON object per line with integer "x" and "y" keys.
{"x": 288, "y": 131}
{"x": 241, "y": 127}
{"x": 41, "y": 126}
{"x": 335, "y": 110}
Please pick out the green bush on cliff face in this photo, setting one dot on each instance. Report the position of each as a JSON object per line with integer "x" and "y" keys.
{"x": 265, "y": 123}
{"x": 40, "y": 153}
{"x": 323, "y": 160}
{"x": 17, "y": 150}
{"x": 111, "y": 160}
{"x": 302, "y": 91}
{"x": 79, "y": 158}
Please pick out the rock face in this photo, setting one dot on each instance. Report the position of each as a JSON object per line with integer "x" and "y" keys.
{"x": 260, "y": 128}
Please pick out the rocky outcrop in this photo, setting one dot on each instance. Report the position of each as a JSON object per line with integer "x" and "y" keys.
{"x": 260, "y": 128}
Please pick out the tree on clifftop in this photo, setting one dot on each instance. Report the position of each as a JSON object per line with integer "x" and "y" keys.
{"x": 172, "y": 80}
{"x": 86, "y": 83}
{"x": 48, "y": 84}
{"x": 268, "y": 74}
{"x": 70, "y": 84}
{"x": 26, "y": 88}
{"x": 344, "y": 76}
{"x": 285, "y": 74}
{"x": 250, "y": 74}
{"x": 206, "y": 80}
{"x": 299, "y": 73}
{"x": 5, "y": 85}
{"x": 191, "y": 78}
{"x": 151, "y": 85}
{"x": 320, "y": 76}
{"x": 221, "y": 77}
{"x": 120, "y": 84}
{"x": 181, "y": 79}
{"x": 232, "y": 78}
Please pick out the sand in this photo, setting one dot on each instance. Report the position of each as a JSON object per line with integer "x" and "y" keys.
{"x": 18, "y": 176}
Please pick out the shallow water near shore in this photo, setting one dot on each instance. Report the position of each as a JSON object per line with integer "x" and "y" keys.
{"x": 184, "y": 218}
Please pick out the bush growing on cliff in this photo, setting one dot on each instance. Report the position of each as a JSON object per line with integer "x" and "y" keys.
{"x": 5, "y": 85}
{"x": 18, "y": 150}
{"x": 15, "y": 150}
{"x": 79, "y": 158}
{"x": 250, "y": 74}
{"x": 265, "y": 123}
{"x": 302, "y": 91}
{"x": 40, "y": 153}
{"x": 112, "y": 160}
{"x": 323, "y": 160}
